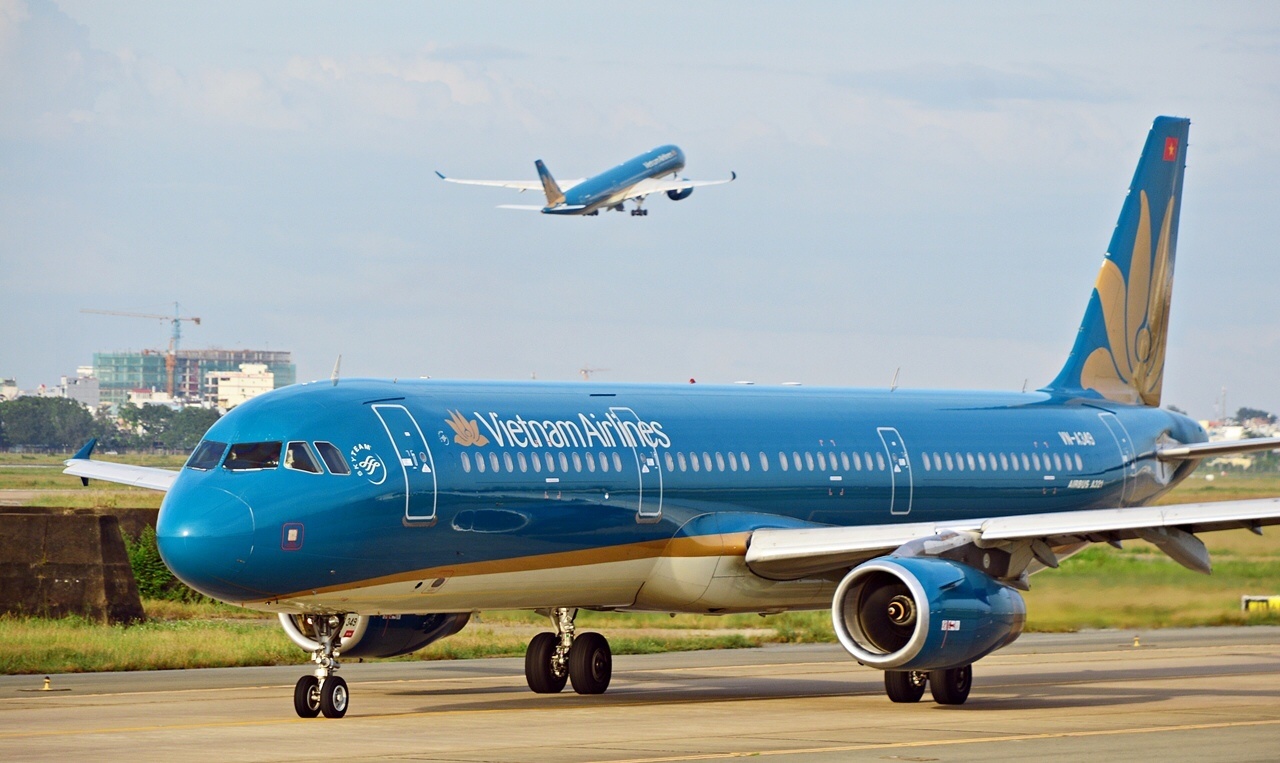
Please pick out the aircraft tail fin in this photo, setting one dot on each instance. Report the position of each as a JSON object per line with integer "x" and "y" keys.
{"x": 1120, "y": 348}
{"x": 554, "y": 194}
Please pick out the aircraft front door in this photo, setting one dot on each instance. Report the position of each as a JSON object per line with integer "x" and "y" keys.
{"x": 901, "y": 487}
{"x": 415, "y": 461}
{"x": 648, "y": 472}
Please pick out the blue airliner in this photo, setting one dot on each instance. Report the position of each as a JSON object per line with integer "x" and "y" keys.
{"x": 375, "y": 516}
{"x": 655, "y": 171}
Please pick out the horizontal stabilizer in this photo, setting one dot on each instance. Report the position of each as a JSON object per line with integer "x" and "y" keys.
{"x": 1206, "y": 449}
{"x": 529, "y": 207}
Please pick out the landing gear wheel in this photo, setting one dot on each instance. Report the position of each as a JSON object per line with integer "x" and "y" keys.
{"x": 951, "y": 687}
{"x": 334, "y": 697}
{"x": 590, "y": 663}
{"x": 539, "y": 665}
{"x": 904, "y": 685}
{"x": 306, "y": 697}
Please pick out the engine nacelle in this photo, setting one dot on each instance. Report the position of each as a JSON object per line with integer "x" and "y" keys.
{"x": 378, "y": 635}
{"x": 923, "y": 613}
{"x": 675, "y": 195}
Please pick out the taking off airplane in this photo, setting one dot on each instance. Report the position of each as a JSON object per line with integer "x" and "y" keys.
{"x": 374, "y": 516}
{"x": 632, "y": 180}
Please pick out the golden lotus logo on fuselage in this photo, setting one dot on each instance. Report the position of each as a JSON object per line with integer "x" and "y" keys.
{"x": 465, "y": 432}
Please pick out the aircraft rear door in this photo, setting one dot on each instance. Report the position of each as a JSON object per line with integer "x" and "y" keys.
{"x": 415, "y": 461}
{"x": 1128, "y": 457}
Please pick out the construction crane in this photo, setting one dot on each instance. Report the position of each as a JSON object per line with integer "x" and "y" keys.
{"x": 175, "y": 338}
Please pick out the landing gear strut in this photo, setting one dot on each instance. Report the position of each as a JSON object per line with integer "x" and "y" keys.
{"x": 554, "y": 659}
{"x": 322, "y": 692}
{"x": 949, "y": 687}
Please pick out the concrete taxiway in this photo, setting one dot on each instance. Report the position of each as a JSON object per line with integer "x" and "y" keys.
{"x": 1199, "y": 694}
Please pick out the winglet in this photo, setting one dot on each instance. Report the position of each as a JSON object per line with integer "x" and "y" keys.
{"x": 86, "y": 451}
{"x": 732, "y": 176}
{"x": 440, "y": 175}
{"x": 554, "y": 194}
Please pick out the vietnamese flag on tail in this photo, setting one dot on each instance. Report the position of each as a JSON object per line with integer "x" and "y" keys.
{"x": 1170, "y": 149}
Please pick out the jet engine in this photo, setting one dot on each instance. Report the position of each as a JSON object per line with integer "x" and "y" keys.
{"x": 377, "y": 635}
{"x": 923, "y": 613}
{"x": 677, "y": 195}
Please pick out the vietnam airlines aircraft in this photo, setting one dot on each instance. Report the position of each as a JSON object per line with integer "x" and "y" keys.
{"x": 375, "y": 516}
{"x": 653, "y": 172}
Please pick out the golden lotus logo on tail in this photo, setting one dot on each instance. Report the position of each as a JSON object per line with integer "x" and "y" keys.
{"x": 1136, "y": 315}
{"x": 465, "y": 432}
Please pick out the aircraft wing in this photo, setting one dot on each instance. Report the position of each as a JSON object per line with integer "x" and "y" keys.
{"x": 655, "y": 185}
{"x": 519, "y": 185}
{"x": 149, "y": 477}
{"x": 788, "y": 554}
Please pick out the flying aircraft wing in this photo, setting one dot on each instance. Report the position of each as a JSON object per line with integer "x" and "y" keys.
{"x": 1033, "y": 540}
{"x": 655, "y": 185}
{"x": 519, "y": 185}
{"x": 148, "y": 477}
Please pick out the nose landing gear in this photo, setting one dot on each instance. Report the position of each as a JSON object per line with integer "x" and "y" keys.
{"x": 554, "y": 659}
{"x": 322, "y": 692}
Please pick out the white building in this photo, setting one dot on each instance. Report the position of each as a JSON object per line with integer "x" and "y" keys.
{"x": 8, "y": 389}
{"x": 227, "y": 389}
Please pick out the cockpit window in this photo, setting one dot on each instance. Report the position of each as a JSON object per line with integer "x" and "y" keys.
{"x": 253, "y": 455}
{"x": 332, "y": 457}
{"x": 298, "y": 456}
{"x": 207, "y": 455}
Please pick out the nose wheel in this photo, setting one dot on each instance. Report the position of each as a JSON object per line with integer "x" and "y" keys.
{"x": 555, "y": 659}
{"x": 322, "y": 692}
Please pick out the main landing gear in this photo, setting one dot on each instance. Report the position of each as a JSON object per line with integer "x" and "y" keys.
{"x": 949, "y": 687}
{"x": 556, "y": 658}
{"x": 322, "y": 692}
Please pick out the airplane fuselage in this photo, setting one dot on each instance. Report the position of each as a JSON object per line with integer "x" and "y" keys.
{"x": 472, "y": 495}
{"x": 610, "y": 187}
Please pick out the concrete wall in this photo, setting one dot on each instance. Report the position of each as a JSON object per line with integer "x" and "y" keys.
{"x": 53, "y": 565}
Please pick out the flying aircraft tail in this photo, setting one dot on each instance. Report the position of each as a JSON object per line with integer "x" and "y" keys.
{"x": 549, "y": 185}
{"x": 1119, "y": 350}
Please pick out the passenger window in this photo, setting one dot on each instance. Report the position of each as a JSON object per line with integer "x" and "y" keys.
{"x": 947, "y": 456}
{"x": 795, "y": 460}
{"x": 466, "y": 462}
{"x": 844, "y": 461}
{"x": 684, "y": 465}
{"x": 1035, "y": 459}
{"x": 523, "y": 462}
{"x": 694, "y": 462}
{"x": 506, "y": 461}
{"x": 959, "y": 462}
{"x": 982, "y": 462}
{"x": 480, "y": 463}
{"x": 209, "y": 453}
{"x": 968, "y": 457}
{"x": 617, "y": 462}
{"x": 246, "y": 456}
{"x": 591, "y": 462}
{"x": 937, "y": 462}
{"x": 577, "y": 462}
{"x": 706, "y": 461}
{"x": 1004, "y": 463}
{"x": 808, "y": 460}
{"x": 822, "y": 461}
{"x": 880, "y": 461}
{"x": 782, "y": 461}
{"x": 671, "y": 462}
{"x": 1026, "y": 463}
{"x": 1057, "y": 462}
{"x": 1079, "y": 463}
{"x": 857, "y": 462}
{"x": 332, "y": 458}
{"x": 870, "y": 461}
{"x": 925, "y": 461}
{"x": 604, "y": 463}
{"x": 536, "y": 461}
{"x": 746, "y": 462}
{"x": 493, "y": 461}
{"x": 564, "y": 462}
{"x": 831, "y": 459}
{"x": 764, "y": 462}
{"x": 733, "y": 461}
{"x": 298, "y": 456}
{"x": 719, "y": 461}
{"x": 551, "y": 463}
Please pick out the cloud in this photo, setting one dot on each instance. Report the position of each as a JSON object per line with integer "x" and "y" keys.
{"x": 976, "y": 87}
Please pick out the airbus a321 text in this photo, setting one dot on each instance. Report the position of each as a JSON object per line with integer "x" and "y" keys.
{"x": 654, "y": 171}
{"x": 375, "y": 516}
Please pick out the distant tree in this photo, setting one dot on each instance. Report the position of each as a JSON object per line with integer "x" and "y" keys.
{"x": 187, "y": 427}
{"x": 45, "y": 422}
{"x": 1245, "y": 414}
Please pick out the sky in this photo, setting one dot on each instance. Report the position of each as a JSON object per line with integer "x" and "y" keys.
{"x": 924, "y": 189}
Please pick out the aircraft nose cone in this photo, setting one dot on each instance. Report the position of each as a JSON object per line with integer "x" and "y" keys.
{"x": 206, "y": 538}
